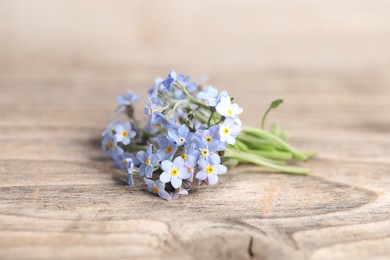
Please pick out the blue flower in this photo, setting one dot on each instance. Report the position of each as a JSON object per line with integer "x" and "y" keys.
{"x": 190, "y": 150}
{"x": 110, "y": 128}
{"x": 110, "y": 146}
{"x": 130, "y": 168}
{"x": 185, "y": 81}
{"x": 167, "y": 83}
{"x": 210, "y": 169}
{"x": 210, "y": 95}
{"x": 148, "y": 161}
{"x": 174, "y": 172}
{"x": 157, "y": 187}
{"x": 123, "y": 133}
{"x": 166, "y": 147}
{"x": 120, "y": 160}
{"x": 162, "y": 120}
{"x": 153, "y": 91}
{"x": 128, "y": 100}
{"x": 211, "y": 136}
{"x": 228, "y": 131}
{"x": 207, "y": 149}
{"x": 228, "y": 109}
{"x": 190, "y": 163}
{"x": 181, "y": 135}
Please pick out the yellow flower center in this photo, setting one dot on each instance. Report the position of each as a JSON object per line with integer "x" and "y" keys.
{"x": 174, "y": 172}
{"x": 111, "y": 145}
{"x": 210, "y": 169}
{"x": 184, "y": 156}
{"x": 230, "y": 112}
{"x": 166, "y": 120}
{"x": 209, "y": 139}
{"x": 226, "y": 130}
{"x": 169, "y": 149}
{"x": 205, "y": 152}
{"x": 157, "y": 125}
{"x": 125, "y": 134}
{"x": 124, "y": 162}
{"x": 148, "y": 161}
{"x": 156, "y": 189}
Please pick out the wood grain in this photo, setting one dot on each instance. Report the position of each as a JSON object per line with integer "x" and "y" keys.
{"x": 62, "y": 66}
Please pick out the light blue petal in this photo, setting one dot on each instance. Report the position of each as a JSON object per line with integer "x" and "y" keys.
{"x": 165, "y": 195}
{"x": 142, "y": 170}
{"x": 203, "y": 163}
{"x": 165, "y": 177}
{"x": 184, "y": 173}
{"x": 176, "y": 182}
{"x": 178, "y": 162}
{"x": 214, "y": 159}
{"x": 130, "y": 180}
{"x": 149, "y": 171}
{"x": 167, "y": 165}
{"x": 220, "y": 169}
{"x": 213, "y": 179}
{"x": 201, "y": 175}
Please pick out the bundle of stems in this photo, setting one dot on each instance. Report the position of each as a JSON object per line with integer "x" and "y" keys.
{"x": 269, "y": 149}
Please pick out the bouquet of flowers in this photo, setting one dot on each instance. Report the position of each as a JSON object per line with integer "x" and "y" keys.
{"x": 192, "y": 135}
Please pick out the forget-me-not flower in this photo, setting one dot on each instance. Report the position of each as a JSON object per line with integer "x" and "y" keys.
{"x": 167, "y": 83}
{"x": 181, "y": 135}
{"x": 207, "y": 149}
{"x": 210, "y": 135}
{"x": 110, "y": 146}
{"x": 185, "y": 81}
{"x": 110, "y": 128}
{"x": 123, "y": 133}
{"x": 120, "y": 160}
{"x": 210, "y": 95}
{"x": 162, "y": 120}
{"x": 174, "y": 172}
{"x": 166, "y": 147}
{"x": 228, "y": 109}
{"x": 157, "y": 187}
{"x": 210, "y": 169}
{"x": 130, "y": 168}
{"x": 127, "y": 100}
{"x": 228, "y": 131}
{"x": 148, "y": 161}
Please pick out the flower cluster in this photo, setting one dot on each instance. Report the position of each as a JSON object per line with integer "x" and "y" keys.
{"x": 187, "y": 131}
{"x": 191, "y": 135}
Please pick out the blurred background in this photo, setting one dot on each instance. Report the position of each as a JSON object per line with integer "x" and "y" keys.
{"x": 66, "y": 61}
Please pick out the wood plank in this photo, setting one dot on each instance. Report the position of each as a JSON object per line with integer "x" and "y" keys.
{"x": 63, "y": 64}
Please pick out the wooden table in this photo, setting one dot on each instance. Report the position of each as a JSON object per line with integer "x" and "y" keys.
{"x": 63, "y": 64}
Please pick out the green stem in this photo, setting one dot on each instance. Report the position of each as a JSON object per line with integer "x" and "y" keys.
{"x": 273, "y": 105}
{"x": 246, "y": 157}
{"x": 189, "y": 96}
{"x": 234, "y": 149}
{"x": 279, "y": 143}
{"x": 255, "y": 142}
{"x": 264, "y": 117}
{"x": 211, "y": 116}
{"x": 277, "y": 155}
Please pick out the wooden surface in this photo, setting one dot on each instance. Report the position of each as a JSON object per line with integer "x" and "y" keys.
{"x": 63, "y": 63}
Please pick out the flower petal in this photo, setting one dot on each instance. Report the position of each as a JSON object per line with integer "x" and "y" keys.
{"x": 213, "y": 179}
{"x": 165, "y": 195}
{"x": 201, "y": 175}
{"x": 220, "y": 169}
{"x": 165, "y": 177}
{"x": 176, "y": 182}
{"x": 167, "y": 165}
